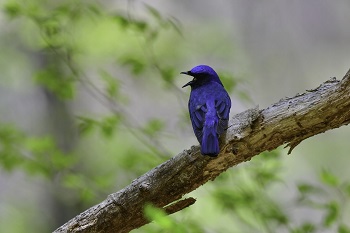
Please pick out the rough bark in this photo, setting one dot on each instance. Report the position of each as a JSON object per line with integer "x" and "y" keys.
{"x": 287, "y": 122}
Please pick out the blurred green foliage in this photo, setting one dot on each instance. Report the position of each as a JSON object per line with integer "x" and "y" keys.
{"x": 161, "y": 219}
{"x": 243, "y": 196}
{"x": 35, "y": 155}
{"x": 57, "y": 83}
{"x": 76, "y": 39}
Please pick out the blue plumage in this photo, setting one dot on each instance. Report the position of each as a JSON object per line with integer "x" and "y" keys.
{"x": 209, "y": 106}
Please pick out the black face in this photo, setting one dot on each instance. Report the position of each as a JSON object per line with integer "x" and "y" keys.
{"x": 201, "y": 74}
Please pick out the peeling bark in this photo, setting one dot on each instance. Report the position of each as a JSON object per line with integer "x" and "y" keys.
{"x": 287, "y": 122}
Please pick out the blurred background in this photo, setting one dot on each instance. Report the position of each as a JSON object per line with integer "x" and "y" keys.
{"x": 91, "y": 98}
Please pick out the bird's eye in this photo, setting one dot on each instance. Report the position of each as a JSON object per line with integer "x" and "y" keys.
{"x": 194, "y": 79}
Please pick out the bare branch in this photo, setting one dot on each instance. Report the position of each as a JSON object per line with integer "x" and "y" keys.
{"x": 289, "y": 121}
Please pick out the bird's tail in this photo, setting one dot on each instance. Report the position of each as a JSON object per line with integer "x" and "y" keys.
{"x": 210, "y": 141}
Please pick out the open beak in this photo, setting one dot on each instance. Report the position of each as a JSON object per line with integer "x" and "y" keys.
{"x": 190, "y": 82}
{"x": 187, "y": 84}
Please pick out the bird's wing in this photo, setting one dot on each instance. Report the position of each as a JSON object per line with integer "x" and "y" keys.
{"x": 223, "y": 106}
{"x": 197, "y": 114}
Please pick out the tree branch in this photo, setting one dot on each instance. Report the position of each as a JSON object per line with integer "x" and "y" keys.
{"x": 289, "y": 121}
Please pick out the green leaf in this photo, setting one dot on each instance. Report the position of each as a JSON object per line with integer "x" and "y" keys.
{"x": 86, "y": 124}
{"x": 347, "y": 189}
{"x": 275, "y": 154}
{"x": 233, "y": 199}
{"x": 305, "y": 228}
{"x": 10, "y": 143}
{"x": 343, "y": 229}
{"x": 104, "y": 181}
{"x": 73, "y": 181}
{"x": 9, "y": 135}
{"x": 153, "y": 127}
{"x": 168, "y": 74}
{"x": 121, "y": 20}
{"x": 332, "y": 213}
{"x": 305, "y": 188}
{"x": 228, "y": 80}
{"x": 10, "y": 159}
{"x": 12, "y": 9}
{"x": 157, "y": 215}
{"x": 62, "y": 161}
{"x": 94, "y": 8}
{"x": 275, "y": 213}
{"x": 307, "y": 192}
{"x": 264, "y": 176}
{"x": 51, "y": 27}
{"x": 108, "y": 125}
{"x": 87, "y": 195}
{"x": 40, "y": 145}
{"x": 328, "y": 178}
{"x": 59, "y": 84}
{"x": 39, "y": 165}
{"x": 140, "y": 26}
{"x": 136, "y": 65}
{"x": 112, "y": 84}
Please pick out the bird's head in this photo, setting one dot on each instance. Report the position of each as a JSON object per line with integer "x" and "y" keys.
{"x": 201, "y": 74}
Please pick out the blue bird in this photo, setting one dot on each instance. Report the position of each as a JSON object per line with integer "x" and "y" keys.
{"x": 209, "y": 106}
